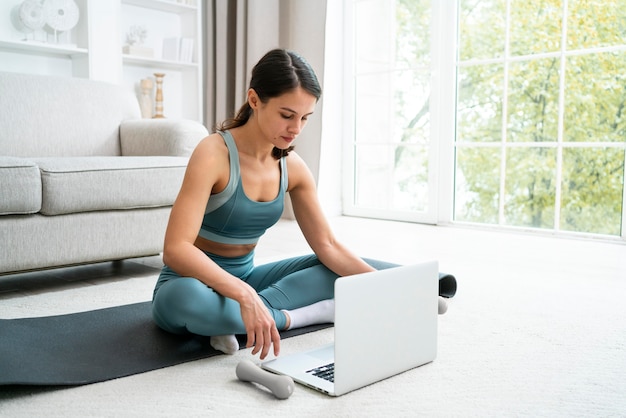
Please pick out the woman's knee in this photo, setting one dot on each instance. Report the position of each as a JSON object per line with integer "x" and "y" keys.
{"x": 177, "y": 301}
{"x": 186, "y": 305}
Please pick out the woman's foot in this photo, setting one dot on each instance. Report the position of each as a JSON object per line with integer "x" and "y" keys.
{"x": 227, "y": 344}
{"x": 321, "y": 312}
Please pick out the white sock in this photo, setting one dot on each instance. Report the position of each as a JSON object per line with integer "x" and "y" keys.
{"x": 225, "y": 343}
{"x": 443, "y": 305}
{"x": 318, "y": 313}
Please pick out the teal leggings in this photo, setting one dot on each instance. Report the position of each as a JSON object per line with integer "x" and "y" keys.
{"x": 184, "y": 305}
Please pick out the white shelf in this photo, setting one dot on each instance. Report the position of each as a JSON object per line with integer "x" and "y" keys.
{"x": 163, "y": 5}
{"x": 158, "y": 63}
{"x": 38, "y": 48}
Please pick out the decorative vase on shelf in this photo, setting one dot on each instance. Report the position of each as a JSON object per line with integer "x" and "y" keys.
{"x": 135, "y": 38}
{"x": 145, "y": 100}
{"x": 159, "y": 96}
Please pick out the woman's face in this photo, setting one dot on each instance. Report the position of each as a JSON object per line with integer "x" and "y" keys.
{"x": 282, "y": 118}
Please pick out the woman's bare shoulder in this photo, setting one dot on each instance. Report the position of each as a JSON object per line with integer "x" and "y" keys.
{"x": 294, "y": 160}
{"x": 211, "y": 150}
{"x": 213, "y": 143}
{"x": 298, "y": 171}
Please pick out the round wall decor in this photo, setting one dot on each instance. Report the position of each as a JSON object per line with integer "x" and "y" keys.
{"x": 61, "y": 15}
{"x": 28, "y": 16}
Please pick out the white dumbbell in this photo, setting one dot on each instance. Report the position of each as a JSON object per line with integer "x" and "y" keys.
{"x": 281, "y": 386}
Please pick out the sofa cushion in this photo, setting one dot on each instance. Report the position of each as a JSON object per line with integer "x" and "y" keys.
{"x": 20, "y": 186}
{"x": 80, "y": 184}
{"x": 52, "y": 116}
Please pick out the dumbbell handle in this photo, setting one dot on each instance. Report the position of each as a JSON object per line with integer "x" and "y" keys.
{"x": 281, "y": 386}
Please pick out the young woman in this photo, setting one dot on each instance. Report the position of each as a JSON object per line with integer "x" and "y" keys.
{"x": 233, "y": 190}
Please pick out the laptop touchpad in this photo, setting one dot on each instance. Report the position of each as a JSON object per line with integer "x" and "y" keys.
{"x": 324, "y": 353}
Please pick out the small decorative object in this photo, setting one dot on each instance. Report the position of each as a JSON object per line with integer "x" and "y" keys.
{"x": 28, "y": 17}
{"x": 145, "y": 100}
{"x": 60, "y": 15}
{"x": 159, "y": 96}
{"x": 135, "y": 37}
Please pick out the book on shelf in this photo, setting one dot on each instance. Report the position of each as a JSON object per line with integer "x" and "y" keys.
{"x": 178, "y": 49}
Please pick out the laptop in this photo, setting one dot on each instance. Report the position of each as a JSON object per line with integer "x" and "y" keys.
{"x": 385, "y": 324}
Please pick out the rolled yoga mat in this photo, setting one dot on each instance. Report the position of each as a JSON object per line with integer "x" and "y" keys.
{"x": 95, "y": 346}
{"x": 447, "y": 285}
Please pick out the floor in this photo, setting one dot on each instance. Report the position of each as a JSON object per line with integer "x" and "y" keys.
{"x": 385, "y": 240}
{"x": 92, "y": 275}
{"x": 535, "y": 329}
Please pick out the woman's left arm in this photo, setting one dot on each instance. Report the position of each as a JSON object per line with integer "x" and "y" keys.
{"x": 314, "y": 225}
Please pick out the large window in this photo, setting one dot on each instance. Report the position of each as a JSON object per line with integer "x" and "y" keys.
{"x": 392, "y": 134}
{"x": 541, "y": 122}
{"x": 539, "y": 115}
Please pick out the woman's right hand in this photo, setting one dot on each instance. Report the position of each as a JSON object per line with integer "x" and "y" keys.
{"x": 260, "y": 326}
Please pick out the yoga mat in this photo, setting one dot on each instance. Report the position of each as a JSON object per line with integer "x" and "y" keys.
{"x": 447, "y": 285}
{"x": 94, "y": 346}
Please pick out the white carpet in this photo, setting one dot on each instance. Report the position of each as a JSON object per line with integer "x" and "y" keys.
{"x": 537, "y": 329}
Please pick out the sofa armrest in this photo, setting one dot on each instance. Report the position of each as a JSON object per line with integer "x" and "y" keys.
{"x": 166, "y": 137}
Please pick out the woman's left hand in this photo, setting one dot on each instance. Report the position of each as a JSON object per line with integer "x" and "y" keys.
{"x": 260, "y": 326}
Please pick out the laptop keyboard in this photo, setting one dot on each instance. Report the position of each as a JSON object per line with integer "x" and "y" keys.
{"x": 326, "y": 372}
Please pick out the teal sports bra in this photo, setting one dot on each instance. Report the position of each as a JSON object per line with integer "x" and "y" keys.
{"x": 230, "y": 216}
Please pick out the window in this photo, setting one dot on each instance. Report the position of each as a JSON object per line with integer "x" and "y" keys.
{"x": 392, "y": 152}
{"x": 540, "y": 125}
{"x": 539, "y": 117}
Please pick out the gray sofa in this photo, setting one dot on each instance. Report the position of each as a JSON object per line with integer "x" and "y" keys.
{"x": 83, "y": 178}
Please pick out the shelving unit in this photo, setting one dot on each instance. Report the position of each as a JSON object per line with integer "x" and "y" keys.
{"x": 37, "y": 53}
{"x": 93, "y": 49}
{"x": 163, "y": 19}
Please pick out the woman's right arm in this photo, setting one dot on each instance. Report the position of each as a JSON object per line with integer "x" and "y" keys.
{"x": 204, "y": 172}
{"x": 209, "y": 168}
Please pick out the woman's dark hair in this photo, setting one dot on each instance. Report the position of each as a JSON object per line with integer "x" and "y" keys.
{"x": 277, "y": 73}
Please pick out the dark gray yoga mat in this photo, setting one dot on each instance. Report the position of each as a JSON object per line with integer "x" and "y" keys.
{"x": 95, "y": 346}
